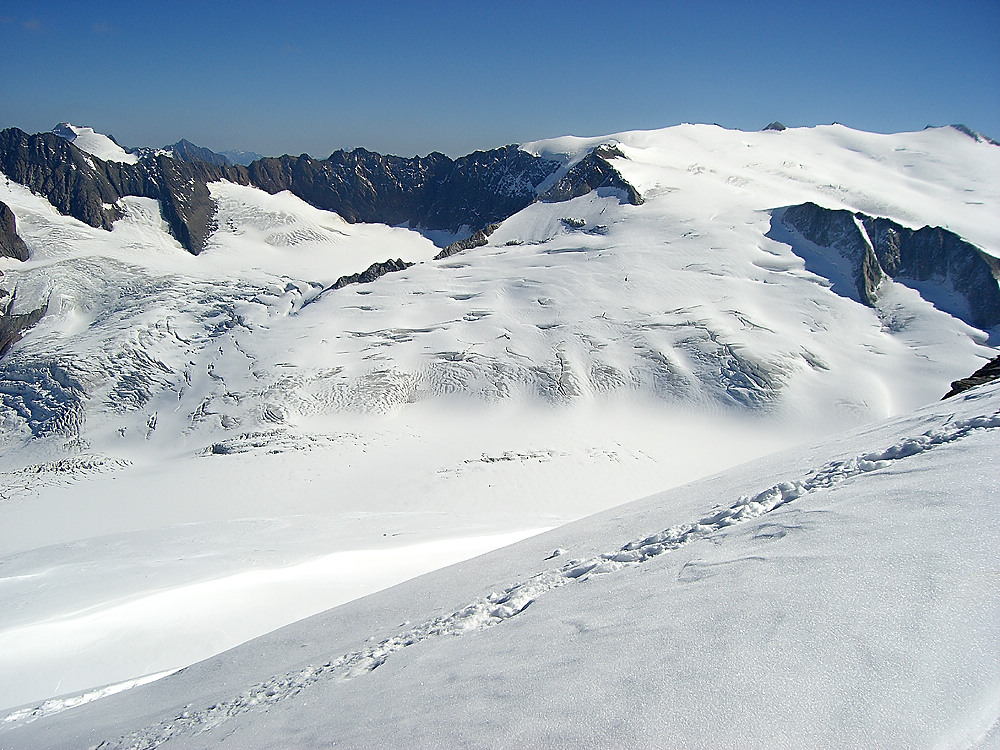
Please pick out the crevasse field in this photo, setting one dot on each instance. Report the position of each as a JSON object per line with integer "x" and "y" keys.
{"x": 199, "y": 450}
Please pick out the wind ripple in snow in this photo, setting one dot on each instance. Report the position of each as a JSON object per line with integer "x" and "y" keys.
{"x": 501, "y": 606}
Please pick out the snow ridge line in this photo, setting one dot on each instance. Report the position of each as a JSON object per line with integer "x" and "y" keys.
{"x": 498, "y": 607}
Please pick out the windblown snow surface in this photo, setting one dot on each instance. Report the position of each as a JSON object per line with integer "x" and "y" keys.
{"x": 199, "y": 450}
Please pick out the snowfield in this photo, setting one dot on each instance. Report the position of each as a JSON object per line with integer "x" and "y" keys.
{"x": 841, "y": 595}
{"x": 198, "y": 450}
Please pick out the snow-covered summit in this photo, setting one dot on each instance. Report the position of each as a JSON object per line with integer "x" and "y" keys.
{"x": 94, "y": 143}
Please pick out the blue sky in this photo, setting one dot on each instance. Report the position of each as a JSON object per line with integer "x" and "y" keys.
{"x": 412, "y": 77}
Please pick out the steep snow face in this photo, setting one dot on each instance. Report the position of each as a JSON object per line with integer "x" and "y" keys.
{"x": 838, "y": 595}
{"x": 94, "y": 143}
{"x": 177, "y": 420}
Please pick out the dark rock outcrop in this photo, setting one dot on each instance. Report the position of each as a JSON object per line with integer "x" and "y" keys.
{"x": 478, "y": 239}
{"x": 374, "y": 271}
{"x": 87, "y": 188}
{"x": 187, "y": 203}
{"x": 976, "y": 136}
{"x": 775, "y": 126}
{"x": 72, "y": 181}
{"x": 839, "y": 229}
{"x": 433, "y": 192}
{"x": 985, "y": 374}
{"x": 878, "y": 247}
{"x": 12, "y": 327}
{"x": 593, "y": 172}
{"x": 11, "y": 244}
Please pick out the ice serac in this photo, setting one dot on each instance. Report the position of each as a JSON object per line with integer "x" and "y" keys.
{"x": 11, "y": 244}
{"x": 879, "y": 247}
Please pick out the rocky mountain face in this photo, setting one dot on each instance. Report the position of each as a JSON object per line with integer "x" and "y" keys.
{"x": 13, "y": 326}
{"x": 435, "y": 192}
{"x": 593, "y": 172}
{"x": 878, "y": 247}
{"x": 11, "y": 245}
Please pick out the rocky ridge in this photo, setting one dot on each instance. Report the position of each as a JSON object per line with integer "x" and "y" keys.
{"x": 985, "y": 374}
{"x": 878, "y": 248}
{"x": 435, "y": 192}
{"x": 11, "y": 244}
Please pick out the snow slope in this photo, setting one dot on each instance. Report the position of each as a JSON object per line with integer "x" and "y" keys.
{"x": 182, "y": 429}
{"x": 94, "y": 143}
{"x": 838, "y": 595}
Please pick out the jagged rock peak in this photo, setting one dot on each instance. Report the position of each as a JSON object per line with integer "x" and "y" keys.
{"x": 774, "y": 126}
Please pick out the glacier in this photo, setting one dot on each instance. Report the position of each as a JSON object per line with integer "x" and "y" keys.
{"x": 185, "y": 437}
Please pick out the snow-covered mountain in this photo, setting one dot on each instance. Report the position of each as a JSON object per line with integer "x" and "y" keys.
{"x": 222, "y": 388}
{"x": 102, "y": 146}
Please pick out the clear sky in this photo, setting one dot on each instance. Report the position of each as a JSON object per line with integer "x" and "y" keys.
{"x": 413, "y": 77}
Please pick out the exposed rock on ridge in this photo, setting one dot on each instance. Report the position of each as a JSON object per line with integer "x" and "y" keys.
{"x": 370, "y": 274}
{"x": 11, "y": 244}
{"x": 593, "y": 172}
{"x": 12, "y": 327}
{"x": 879, "y": 247}
{"x": 478, "y": 239}
{"x": 985, "y": 374}
{"x": 433, "y": 192}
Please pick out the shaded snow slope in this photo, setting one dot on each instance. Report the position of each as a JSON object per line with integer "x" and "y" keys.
{"x": 840, "y": 595}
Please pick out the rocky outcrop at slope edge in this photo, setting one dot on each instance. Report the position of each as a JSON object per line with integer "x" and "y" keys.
{"x": 12, "y": 327}
{"x": 432, "y": 192}
{"x": 54, "y": 168}
{"x": 878, "y": 247}
{"x": 370, "y": 274}
{"x": 592, "y": 172}
{"x": 974, "y": 135}
{"x": 985, "y": 374}
{"x": 477, "y": 239}
{"x": 11, "y": 244}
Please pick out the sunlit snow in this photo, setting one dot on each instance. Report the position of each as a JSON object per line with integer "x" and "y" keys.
{"x": 197, "y": 450}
